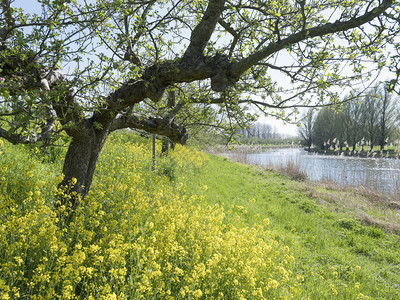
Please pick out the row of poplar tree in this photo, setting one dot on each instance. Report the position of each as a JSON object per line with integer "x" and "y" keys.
{"x": 366, "y": 121}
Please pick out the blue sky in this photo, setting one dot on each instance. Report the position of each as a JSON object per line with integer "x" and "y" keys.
{"x": 32, "y": 6}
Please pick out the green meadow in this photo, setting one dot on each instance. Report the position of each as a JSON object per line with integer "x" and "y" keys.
{"x": 196, "y": 226}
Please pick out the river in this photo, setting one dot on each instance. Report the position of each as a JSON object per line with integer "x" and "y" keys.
{"x": 375, "y": 173}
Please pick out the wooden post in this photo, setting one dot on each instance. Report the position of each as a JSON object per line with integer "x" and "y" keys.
{"x": 154, "y": 152}
{"x": 165, "y": 146}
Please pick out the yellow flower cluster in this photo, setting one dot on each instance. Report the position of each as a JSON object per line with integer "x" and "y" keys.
{"x": 135, "y": 236}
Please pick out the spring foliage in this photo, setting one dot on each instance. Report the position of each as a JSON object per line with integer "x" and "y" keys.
{"x": 139, "y": 235}
{"x": 88, "y": 68}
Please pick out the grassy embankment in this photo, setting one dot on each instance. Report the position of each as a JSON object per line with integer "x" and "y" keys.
{"x": 200, "y": 227}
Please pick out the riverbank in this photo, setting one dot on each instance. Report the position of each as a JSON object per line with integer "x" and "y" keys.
{"x": 368, "y": 205}
{"x": 373, "y": 173}
{"x": 374, "y": 153}
{"x": 197, "y": 226}
{"x": 344, "y": 240}
{"x": 245, "y": 148}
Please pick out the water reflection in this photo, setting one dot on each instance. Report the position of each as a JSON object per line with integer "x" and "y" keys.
{"x": 376, "y": 173}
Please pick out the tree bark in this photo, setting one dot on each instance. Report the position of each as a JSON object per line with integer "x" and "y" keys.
{"x": 79, "y": 166}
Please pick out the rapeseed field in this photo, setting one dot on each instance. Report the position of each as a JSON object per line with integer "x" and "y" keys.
{"x": 194, "y": 226}
{"x": 139, "y": 234}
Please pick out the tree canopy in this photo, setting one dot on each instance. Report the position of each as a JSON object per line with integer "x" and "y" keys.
{"x": 90, "y": 67}
{"x": 372, "y": 119}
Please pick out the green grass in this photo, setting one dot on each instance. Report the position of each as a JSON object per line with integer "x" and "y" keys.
{"x": 341, "y": 240}
{"x": 335, "y": 251}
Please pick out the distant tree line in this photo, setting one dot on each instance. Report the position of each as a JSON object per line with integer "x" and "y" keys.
{"x": 264, "y": 133}
{"x": 260, "y": 131}
{"x": 366, "y": 121}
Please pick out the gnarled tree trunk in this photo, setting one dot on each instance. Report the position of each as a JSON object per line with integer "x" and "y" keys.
{"x": 79, "y": 166}
{"x": 86, "y": 145}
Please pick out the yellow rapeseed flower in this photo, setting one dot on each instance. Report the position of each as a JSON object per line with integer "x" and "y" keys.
{"x": 19, "y": 260}
{"x": 197, "y": 294}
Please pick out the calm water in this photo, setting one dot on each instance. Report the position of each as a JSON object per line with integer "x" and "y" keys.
{"x": 376, "y": 173}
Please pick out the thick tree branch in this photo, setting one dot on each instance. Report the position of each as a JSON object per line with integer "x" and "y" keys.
{"x": 156, "y": 78}
{"x": 223, "y": 74}
{"x": 31, "y": 74}
{"x": 162, "y": 126}
{"x": 9, "y": 20}
{"x": 339, "y": 26}
{"x": 13, "y": 138}
{"x": 203, "y": 31}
